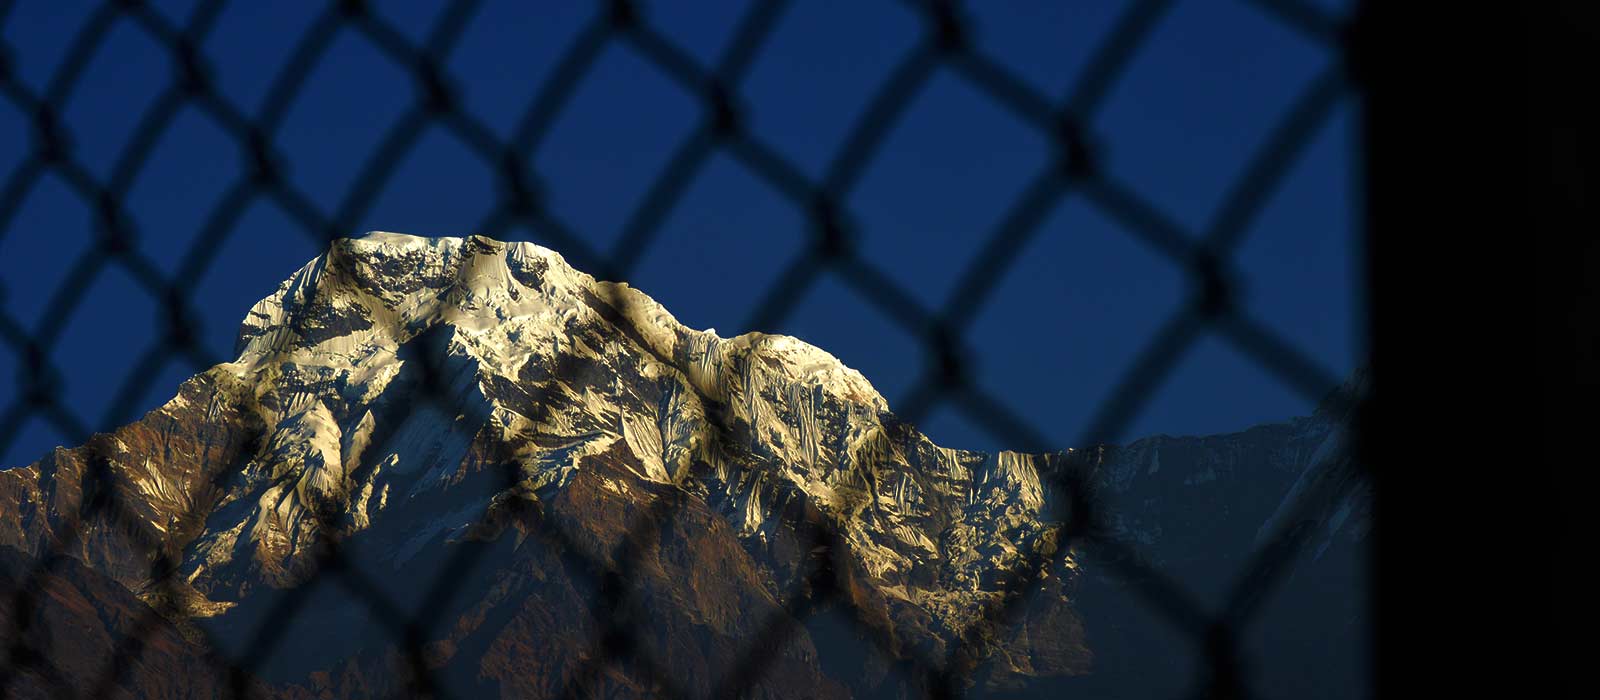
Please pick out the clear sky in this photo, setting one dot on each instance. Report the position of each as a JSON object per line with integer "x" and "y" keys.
{"x": 1061, "y": 330}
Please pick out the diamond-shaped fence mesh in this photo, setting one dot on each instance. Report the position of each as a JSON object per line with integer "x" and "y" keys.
{"x": 1074, "y": 170}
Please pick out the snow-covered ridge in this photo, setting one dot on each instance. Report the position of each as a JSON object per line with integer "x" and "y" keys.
{"x": 404, "y": 395}
{"x": 396, "y": 382}
{"x": 370, "y": 294}
{"x": 551, "y": 356}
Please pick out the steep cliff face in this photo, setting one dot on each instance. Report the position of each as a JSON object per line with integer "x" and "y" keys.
{"x": 406, "y": 401}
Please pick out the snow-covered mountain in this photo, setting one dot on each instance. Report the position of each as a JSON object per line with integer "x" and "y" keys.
{"x": 475, "y": 435}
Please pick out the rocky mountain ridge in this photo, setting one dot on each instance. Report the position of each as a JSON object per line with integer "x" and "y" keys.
{"x": 397, "y": 395}
{"x": 518, "y": 458}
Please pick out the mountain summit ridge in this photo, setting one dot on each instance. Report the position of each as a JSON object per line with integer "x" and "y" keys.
{"x": 403, "y": 396}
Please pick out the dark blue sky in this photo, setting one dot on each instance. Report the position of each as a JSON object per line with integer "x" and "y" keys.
{"x": 1062, "y": 328}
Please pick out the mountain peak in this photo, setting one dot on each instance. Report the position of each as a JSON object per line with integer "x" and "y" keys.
{"x": 370, "y": 294}
{"x": 398, "y": 394}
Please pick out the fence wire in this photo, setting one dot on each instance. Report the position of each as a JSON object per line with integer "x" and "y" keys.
{"x": 945, "y": 46}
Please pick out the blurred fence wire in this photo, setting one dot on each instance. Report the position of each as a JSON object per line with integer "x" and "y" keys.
{"x": 945, "y": 46}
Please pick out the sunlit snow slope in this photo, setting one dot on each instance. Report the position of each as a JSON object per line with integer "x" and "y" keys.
{"x": 411, "y": 398}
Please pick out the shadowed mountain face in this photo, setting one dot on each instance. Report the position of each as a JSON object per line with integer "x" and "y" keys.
{"x": 72, "y": 620}
{"x": 464, "y": 456}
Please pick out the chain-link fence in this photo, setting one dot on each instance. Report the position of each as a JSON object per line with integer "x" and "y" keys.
{"x": 1075, "y": 171}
